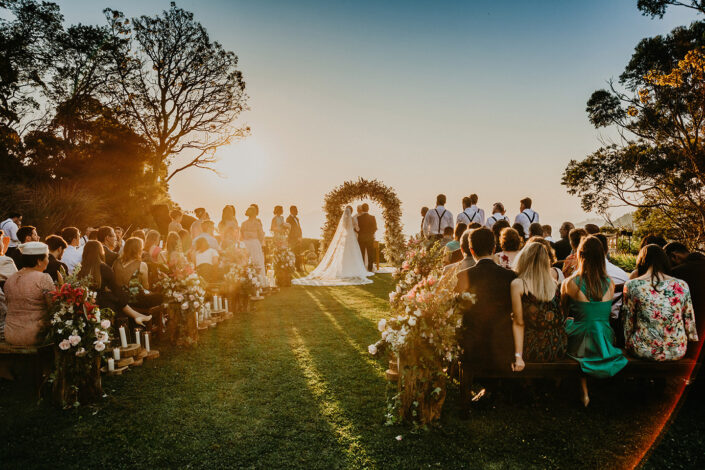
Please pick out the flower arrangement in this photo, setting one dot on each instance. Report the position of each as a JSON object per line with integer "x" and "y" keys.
{"x": 235, "y": 254}
{"x": 243, "y": 280}
{"x": 81, "y": 331}
{"x": 284, "y": 261}
{"x": 421, "y": 259}
{"x": 184, "y": 295}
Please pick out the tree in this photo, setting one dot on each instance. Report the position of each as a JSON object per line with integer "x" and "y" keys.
{"x": 659, "y": 166}
{"x": 657, "y": 8}
{"x": 179, "y": 89}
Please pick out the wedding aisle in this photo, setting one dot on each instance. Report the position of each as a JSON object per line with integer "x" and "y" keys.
{"x": 291, "y": 385}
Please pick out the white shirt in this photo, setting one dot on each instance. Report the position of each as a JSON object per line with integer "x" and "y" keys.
{"x": 207, "y": 257}
{"x": 470, "y": 215}
{"x": 72, "y": 257}
{"x": 10, "y": 228}
{"x": 431, "y": 224}
{"x": 619, "y": 276}
{"x": 549, "y": 239}
{"x": 526, "y": 218}
{"x": 494, "y": 218}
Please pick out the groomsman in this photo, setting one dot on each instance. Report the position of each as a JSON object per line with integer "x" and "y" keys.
{"x": 424, "y": 211}
{"x": 437, "y": 219}
{"x": 295, "y": 236}
{"x": 471, "y": 213}
{"x": 527, "y": 215}
{"x": 497, "y": 214}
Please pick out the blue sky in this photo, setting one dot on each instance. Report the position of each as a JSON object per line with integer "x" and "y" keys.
{"x": 455, "y": 97}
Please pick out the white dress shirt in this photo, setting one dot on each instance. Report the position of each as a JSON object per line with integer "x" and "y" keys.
{"x": 10, "y": 228}
{"x": 431, "y": 223}
{"x": 494, "y": 218}
{"x": 72, "y": 257}
{"x": 470, "y": 215}
{"x": 619, "y": 276}
{"x": 526, "y": 218}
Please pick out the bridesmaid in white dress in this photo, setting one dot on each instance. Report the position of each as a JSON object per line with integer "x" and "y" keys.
{"x": 253, "y": 237}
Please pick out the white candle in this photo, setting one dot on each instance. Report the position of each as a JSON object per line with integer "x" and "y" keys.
{"x": 123, "y": 337}
{"x": 227, "y": 307}
{"x": 146, "y": 341}
{"x": 116, "y": 353}
{"x": 111, "y": 364}
{"x": 137, "y": 336}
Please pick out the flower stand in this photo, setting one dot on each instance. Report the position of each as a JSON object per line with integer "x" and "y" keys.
{"x": 76, "y": 379}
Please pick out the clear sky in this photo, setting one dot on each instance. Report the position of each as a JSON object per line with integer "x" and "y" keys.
{"x": 426, "y": 96}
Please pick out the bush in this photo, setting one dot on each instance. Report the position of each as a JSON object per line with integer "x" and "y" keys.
{"x": 626, "y": 261}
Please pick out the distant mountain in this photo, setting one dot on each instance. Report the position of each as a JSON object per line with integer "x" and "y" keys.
{"x": 627, "y": 220}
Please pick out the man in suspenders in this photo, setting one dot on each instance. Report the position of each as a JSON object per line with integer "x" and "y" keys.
{"x": 497, "y": 214}
{"x": 471, "y": 213}
{"x": 437, "y": 220}
{"x": 527, "y": 215}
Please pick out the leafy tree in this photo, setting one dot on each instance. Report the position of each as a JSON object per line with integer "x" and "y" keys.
{"x": 179, "y": 89}
{"x": 659, "y": 166}
{"x": 657, "y": 8}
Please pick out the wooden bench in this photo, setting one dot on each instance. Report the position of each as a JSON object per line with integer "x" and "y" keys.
{"x": 39, "y": 360}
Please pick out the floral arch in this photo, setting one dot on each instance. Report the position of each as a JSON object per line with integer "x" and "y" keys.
{"x": 383, "y": 195}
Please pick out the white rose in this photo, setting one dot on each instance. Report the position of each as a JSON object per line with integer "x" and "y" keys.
{"x": 417, "y": 313}
{"x": 385, "y": 334}
{"x": 372, "y": 349}
{"x": 412, "y": 321}
{"x": 99, "y": 346}
{"x": 184, "y": 306}
{"x": 382, "y": 325}
{"x": 196, "y": 304}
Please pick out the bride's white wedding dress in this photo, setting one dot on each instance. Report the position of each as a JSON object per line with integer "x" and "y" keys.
{"x": 342, "y": 265}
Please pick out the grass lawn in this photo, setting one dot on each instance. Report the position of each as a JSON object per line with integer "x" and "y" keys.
{"x": 291, "y": 385}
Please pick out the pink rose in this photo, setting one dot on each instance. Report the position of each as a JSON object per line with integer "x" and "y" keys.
{"x": 64, "y": 345}
{"x": 99, "y": 346}
{"x": 105, "y": 324}
{"x": 74, "y": 340}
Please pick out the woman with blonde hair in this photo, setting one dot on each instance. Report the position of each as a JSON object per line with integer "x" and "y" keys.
{"x": 538, "y": 322}
{"x": 152, "y": 251}
{"x": 130, "y": 264}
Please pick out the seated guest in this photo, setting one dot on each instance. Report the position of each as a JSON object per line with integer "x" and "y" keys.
{"x": 7, "y": 264}
{"x": 208, "y": 234}
{"x": 510, "y": 240}
{"x": 176, "y": 216}
{"x": 619, "y": 277}
{"x": 447, "y": 236}
{"x": 3, "y": 314}
{"x": 186, "y": 243}
{"x": 27, "y": 296}
{"x": 132, "y": 275}
{"x": 520, "y": 230}
{"x": 152, "y": 251}
{"x": 102, "y": 280}
{"x": 497, "y": 230}
{"x": 206, "y": 260}
{"x": 538, "y": 322}
{"x": 497, "y": 215}
{"x": 536, "y": 230}
{"x": 690, "y": 267}
{"x": 657, "y": 310}
{"x": 652, "y": 239}
{"x": 486, "y": 331}
{"x": 91, "y": 234}
{"x": 592, "y": 229}
{"x": 453, "y": 253}
{"x": 466, "y": 263}
{"x": 556, "y": 273}
{"x": 25, "y": 234}
{"x": 56, "y": 269}
{"x": 139, "y": 234}
{"x": 119, "y": 234}
{"x": 586, "y": 298}
{"x": 571, "y": 262}
{"x": 562, "y": 246}
{"x": 547, "y": 233}
{"x": 74, "y": 251}
{"x": 175, "y": 257}
{"x": 106, "y": 236}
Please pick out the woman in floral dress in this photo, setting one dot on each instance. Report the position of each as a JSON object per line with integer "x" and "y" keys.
{"x": 657, "y": 310}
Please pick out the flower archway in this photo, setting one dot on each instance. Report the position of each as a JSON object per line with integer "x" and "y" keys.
{"x": 383, "y": 195}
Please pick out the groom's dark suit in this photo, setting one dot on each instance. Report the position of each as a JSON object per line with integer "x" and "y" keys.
{"x": 366, "y": 237}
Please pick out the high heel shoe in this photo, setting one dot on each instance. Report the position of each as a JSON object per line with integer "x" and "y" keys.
{"x": 144, "y": 318}
{"x": 586, "y": 400}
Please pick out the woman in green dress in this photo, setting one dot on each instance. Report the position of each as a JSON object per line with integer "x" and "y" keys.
{"x": 587, "y": 300}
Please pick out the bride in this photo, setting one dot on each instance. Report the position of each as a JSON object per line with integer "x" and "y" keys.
{"x": 342, "y": 265}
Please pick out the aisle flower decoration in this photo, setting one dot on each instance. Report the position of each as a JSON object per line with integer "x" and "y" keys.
{"x": 241, "y": 282}
{"x": 184, "y": 295}
{"x": 284, "y": 262}
{"x": 81, "y": 333}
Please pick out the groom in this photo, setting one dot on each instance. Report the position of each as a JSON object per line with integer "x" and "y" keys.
{"x": 366, "y": 235}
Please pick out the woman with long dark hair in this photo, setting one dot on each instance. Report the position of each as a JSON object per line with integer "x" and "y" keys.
{"x": 657, "y": 310}
{"x": 227, "y": 219}
{"x": 587, "y": 301}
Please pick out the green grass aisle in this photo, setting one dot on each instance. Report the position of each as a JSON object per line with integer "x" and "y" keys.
{"x": 291, "y": 385}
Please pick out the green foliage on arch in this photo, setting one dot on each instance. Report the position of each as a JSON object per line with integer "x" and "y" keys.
{"x": 383, "y": 195}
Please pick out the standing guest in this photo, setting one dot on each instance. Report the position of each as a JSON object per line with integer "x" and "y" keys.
{"x": 278, "y": 225}
{"x": 73, "y": 252}
{"x": 690, "y": 267}
{"x": 176, "y": 217}
{"x": 562, "y": 246}
{"x": 230, "y": 238}
{"x": 437, "y": 220}
{"x": 548, "y": 233}
{"x": 107, "y": 236}
{"x": 102, "y": 279}
{"x": 55, "y": 268}
{"x": 571, "y": 262}
{"x": 196, "y": 229}
{"x": 587, "y": 300}
{"x": 424, "y": 211}
{"x": 538, "y": 321}
{"x": 471, "y": 213}
{"x": 25, "y": 234}
{"x": 592, "y": 229}
{"x": 453, "y": 253}
{"x": 208, "y": 234}
{"x": 7, "y": 264}
{"x": 253, "y": 236}
{"x": 657, "y": 310}
{"x": 536, "y": 230}
{"x": 510, "y": 241}
{"x": 151, "y": 248}
{"x": 498, "y": 213}
{"x": 527, "y": 215}
{"x": 120, "y": 234}
{"x": 486, "y": 332}
{"x": 295, "y": 236}
{"x": 227, "y": 219}
{"x": 497, "y": 230}
{"x": 10, "y": 226}
{"x": 27, "y": 295}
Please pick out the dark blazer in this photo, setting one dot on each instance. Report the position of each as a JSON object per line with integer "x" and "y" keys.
{"x": 295, "y": 228}
{"x": 368, "y": 226}
{"x": 562, "y": 248}
{"x": 692, "y": 271}
{"x": 110, "y": 256}
{"x": 486, "y": 334}
{"x": 54, "y": 267}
